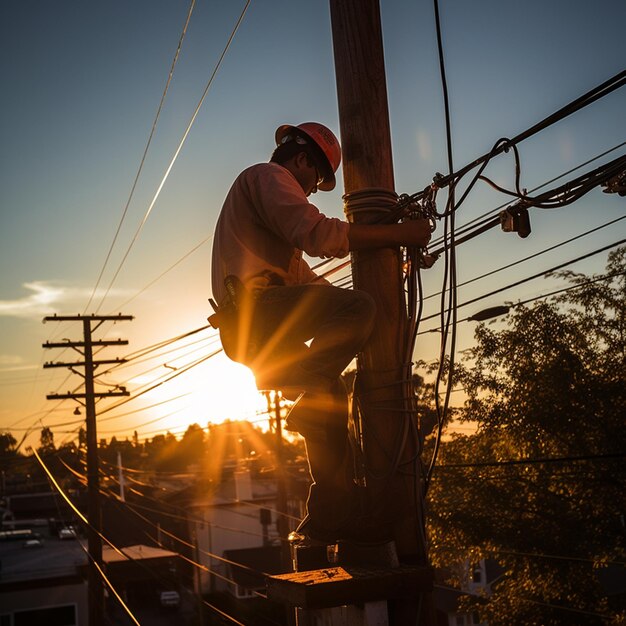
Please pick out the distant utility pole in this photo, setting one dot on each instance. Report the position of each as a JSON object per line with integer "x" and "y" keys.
{"x": 282, "y": 525}
{"x": 120, "y": 475}
{"x": 394, "y": 496}
{"x": 88, "y": 400}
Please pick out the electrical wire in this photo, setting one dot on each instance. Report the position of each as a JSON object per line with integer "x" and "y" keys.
{"x": 124, "y": 504}
{"x": 561, "y": 196}
{"x": 169, "y": 378}
{"x": 176, "y": 153}
{"x": 466, "y": 226}
{"x": 536, "y": 461}
{"x": 567, "y": 609}
{"x": 136, "y": 427}
{"x": 119, "y": 501}
{"x": 197, "y": 565}
{"x": 86, "y": 522}
{"x": 169, "y": 366}
{"x": 145, "y": 408}
{"x": 602, "y": 90}
{"x": 230, "y": 618}
{"x": 182, "y": 541}
{"x": 247, "y": 503}
{"x": 141, "y": 352}
{"x": 448, "y": 316}
{"x": 553, "y": 606}
{"x": 111, "y": 587}
{"x": 166, "y": 342}
{"x": 186, "y": 516}
{"x": 539, "y": 555}
{"x": 145, "y": 152}
{"x": 112, "y": 417}
{"x": 535, "y": 255}
{"x": 167, "y": 271}
{"x": 534, "y": 276}
{"x": 485, "y": 222}
{"x": 183, "y": 557}
{"x": 541, "y": 297}
{"x": 38, "y": 421}
{"x": 182, "y": 431}
{"x": 73, "y": 506}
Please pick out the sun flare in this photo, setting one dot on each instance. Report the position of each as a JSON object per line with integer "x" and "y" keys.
{"x": 210, "y": 393}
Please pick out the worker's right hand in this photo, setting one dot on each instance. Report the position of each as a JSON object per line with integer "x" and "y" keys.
{"x": 413, "y": 233}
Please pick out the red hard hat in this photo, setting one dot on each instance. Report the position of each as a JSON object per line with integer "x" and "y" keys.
{"x": 327, "y": 142}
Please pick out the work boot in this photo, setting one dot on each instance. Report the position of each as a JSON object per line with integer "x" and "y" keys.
{"x": 307, "y": 415}
{"x": 308, "y": 533}
{"x": 292, "y": 381}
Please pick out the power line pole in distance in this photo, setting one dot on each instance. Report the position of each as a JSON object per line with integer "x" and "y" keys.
{"x": 88, "y": 399}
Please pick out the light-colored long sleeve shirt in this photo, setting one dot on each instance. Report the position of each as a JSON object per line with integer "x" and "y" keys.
{"x": 265, "y": 225}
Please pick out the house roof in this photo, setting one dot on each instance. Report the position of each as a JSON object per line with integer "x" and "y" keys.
{"x": 30, "y": 505}
{"x": 54, "y": 558}
{"x": 257, "y": 562}
{"x": 138, "y": 552}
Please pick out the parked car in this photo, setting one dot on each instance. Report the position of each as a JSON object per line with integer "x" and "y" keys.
{"x": 67, "y": 533}
{"x": 170, "y": 599}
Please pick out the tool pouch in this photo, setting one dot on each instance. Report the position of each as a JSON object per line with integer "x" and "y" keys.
{"x": 234, "y": 319}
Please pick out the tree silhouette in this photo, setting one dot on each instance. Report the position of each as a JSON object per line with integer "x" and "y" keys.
{"x": 540, "y": 486}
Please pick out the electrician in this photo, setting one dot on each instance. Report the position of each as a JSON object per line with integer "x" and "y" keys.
{"x": 295, "y": 331}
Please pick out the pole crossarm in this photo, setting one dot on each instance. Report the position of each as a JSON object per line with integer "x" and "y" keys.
{"x": 81, "y": 344}
{"x": 82, "y": 363}
{"x": 74, "y": 396}
{"x": 98, "y": 318}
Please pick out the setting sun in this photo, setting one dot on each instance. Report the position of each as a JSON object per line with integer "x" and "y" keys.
{"x": 212, "y": 392}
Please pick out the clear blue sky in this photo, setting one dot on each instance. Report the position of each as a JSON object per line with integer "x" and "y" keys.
{"x": 82, "y": 83}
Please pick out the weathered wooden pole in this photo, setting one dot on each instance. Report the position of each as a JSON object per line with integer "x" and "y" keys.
{"x": 394, "y": 498}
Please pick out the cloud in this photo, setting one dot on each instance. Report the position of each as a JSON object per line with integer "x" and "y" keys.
{"x": 47, "y": 298}
{"x": 10, "y": 359}
{"x": 16, "y": 368}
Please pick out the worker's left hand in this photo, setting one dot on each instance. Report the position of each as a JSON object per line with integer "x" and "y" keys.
{"x": 416, "y": 232}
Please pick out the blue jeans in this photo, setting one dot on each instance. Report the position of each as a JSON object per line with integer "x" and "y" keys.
{"x": 304, "y": 337}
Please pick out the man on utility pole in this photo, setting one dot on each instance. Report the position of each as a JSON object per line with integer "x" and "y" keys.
{"x": 271, "y": 304}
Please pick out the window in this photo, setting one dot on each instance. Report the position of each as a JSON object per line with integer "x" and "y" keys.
{"x": 52, "y": 616}
{"x": 242, "y": 592}
{"x": 477, "y": 575}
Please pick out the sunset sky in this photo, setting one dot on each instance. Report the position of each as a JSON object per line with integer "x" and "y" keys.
{"x": 82, "y": 85}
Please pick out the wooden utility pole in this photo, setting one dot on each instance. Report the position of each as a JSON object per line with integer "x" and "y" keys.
{"x": 394, "y": 496}
{"x": 94, "y": 529}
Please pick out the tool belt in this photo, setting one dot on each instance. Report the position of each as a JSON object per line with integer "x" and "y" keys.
{"x": 234, "y": 320}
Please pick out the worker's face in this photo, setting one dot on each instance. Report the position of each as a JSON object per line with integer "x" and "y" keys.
{"x": 308, "y": 174}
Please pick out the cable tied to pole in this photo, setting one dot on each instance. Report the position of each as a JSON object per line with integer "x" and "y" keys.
{"x": 374, "y": 202}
